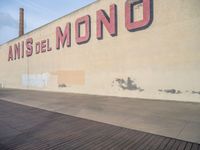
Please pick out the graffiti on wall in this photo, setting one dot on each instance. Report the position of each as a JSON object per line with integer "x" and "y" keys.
{"x": 35, "y": 80}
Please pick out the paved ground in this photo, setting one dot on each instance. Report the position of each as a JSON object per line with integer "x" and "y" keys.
{"x": 28, "y": 128}
{"x": 172, "y": 119}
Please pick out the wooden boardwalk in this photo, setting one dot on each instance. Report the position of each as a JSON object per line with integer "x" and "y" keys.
{"x": 28, "y": 128}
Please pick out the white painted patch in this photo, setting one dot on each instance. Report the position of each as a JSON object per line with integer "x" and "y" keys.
{"x": 35, "y": 80}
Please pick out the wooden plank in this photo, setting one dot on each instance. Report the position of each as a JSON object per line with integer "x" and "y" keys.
{"x": 195, "y": 147}
{"x": 44, "y": 130}
{"x": 170, "y": 144}
{"x": 141, "y": 141}
{"x": 131, "y": 138}
{"x": 176, "y": 145}
{"x": 188, "y": 146}
{"x": 155, "y": 143}
{"x": 182, "y": 145}
{"x": 146, "y": 143}
{"x": 113, "y": 140}
{"x": 163, "y": 144}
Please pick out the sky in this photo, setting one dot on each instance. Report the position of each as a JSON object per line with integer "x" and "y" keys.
{"x": 37, "y": 13}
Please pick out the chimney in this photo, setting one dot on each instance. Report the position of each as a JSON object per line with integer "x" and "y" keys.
{"x": 21, "y": 22}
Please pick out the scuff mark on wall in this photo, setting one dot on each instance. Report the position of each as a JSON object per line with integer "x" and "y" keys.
{"x": 196, "y": 92}
{"x": 62, "y": 85}
{"x": 35, "y": 80}
{"x": 173, "y": 91}
{"x": 128, "y": 84}
{"x": 170, "y": 91}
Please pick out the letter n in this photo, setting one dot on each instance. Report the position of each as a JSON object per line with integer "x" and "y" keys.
{"x": 62, "y": 37}
{"x": 109, "y": 22}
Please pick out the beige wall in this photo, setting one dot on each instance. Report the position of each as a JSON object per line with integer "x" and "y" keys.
{"x": 163, "y": 57}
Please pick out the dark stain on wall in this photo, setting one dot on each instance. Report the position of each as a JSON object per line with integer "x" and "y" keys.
{"x": 170, "y": 91}
{"x": 173, "y": 91}
{"x": 196, "y": 92}
{"x": 128, "y": 84}
{"x": 62, "y": 85}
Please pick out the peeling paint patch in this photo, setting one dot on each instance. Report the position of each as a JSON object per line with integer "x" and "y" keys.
{"x": 128, "y": 84}
{"x": 173, "y": 91}
{"x": 70, "y": 77}
{"x": 170, "y": 91}
{"x": 196, "y": 92}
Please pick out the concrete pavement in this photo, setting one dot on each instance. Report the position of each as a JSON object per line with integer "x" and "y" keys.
{"x": 168, "y": 118}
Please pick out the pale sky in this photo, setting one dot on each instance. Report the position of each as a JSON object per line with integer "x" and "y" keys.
{"x": 37, "y": 13}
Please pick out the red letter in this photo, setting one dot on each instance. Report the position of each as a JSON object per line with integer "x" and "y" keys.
{"x": 60, "y": 38}
{"x": 110, "y": 23}
{"x": 22, "y": 49}
{"x": 10, "y": 54}
{"x": 48, "y": 47}
{"x": 37, "y": 47}
{"x": 43, "y": 46}
{"x": 29, "y": 47}
{"x": 83, "y": 20}
{"x": 133, "y": 25}
{"x": 17, "y": 50}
